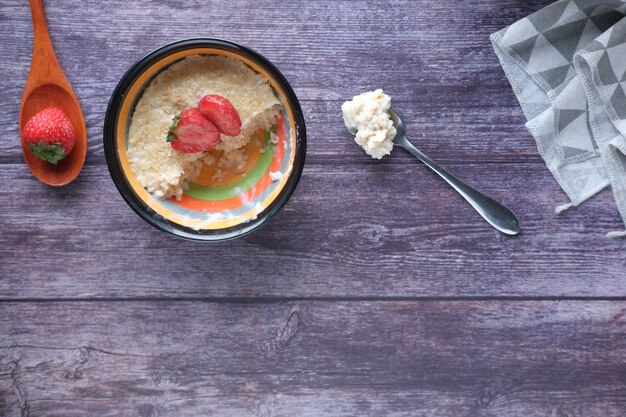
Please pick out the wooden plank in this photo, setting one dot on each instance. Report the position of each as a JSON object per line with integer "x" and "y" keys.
{"x": 452, "y": 93}
{"x": 457, "y": 359}
{"x": 398, "y": 234}
{"x": 322, "y": 44}
{"x": 355, "y": 230}
{"x": 468, "y": 134}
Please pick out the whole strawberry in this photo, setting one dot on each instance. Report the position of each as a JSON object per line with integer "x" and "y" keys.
{"x": 50, "y": 135}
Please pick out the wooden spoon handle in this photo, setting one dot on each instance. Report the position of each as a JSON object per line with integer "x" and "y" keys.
{"x": 43, "y": 52}
{"x": 40, "y": 26}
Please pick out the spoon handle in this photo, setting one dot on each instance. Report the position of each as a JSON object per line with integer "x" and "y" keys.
{"x": 43, "y": 52}
{"x": 493, "y": 212}
{"x": 40, "y": 26}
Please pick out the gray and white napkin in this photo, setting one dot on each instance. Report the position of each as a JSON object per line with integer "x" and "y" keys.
{"x": 567, "y": 66}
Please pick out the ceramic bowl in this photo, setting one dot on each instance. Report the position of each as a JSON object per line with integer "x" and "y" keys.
{"x": 205, "y": 213}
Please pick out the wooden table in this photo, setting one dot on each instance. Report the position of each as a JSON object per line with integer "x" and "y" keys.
{"x": 376, "y": 291}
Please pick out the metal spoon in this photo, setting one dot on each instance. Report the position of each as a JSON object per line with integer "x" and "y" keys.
{"x": 493, "y": 212}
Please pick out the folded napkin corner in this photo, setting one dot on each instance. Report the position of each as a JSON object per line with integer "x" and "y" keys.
{"x": 567, "y": 66}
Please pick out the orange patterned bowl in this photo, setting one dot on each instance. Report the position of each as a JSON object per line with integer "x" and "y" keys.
{"x": 209, "y": 212}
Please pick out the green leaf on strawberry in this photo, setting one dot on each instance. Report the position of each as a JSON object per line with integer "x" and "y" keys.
{"x": 171, "y": 136}
{"x": 51, "y": 152}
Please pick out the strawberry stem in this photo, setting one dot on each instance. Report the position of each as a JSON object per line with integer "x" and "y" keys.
{"x": 171, "y": 136}
{"x": 50, "y": 152}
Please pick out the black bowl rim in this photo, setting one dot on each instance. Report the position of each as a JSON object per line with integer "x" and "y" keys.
{"x": 141, "y": 208}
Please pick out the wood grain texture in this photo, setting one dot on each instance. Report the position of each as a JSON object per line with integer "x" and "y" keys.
{"x": 425, "y": 242}
{"x": 465, "y": 359}
{"x": 438, "y": 66}
{"x": 376, "y": 291}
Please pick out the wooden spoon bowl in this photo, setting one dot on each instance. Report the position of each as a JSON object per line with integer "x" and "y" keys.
{"x": 47, "y": 86}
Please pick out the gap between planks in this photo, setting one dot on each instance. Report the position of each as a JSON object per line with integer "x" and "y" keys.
{"x": 317, "y": 160}
{"x": 275, "y": 300}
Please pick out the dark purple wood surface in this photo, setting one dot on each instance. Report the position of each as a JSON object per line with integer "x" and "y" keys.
{"x": 377, "y": 291}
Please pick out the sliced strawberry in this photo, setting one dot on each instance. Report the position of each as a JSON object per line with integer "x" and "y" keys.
{"x": 222, "y": 113}
{"x": 182, "y": 147}
{"x": 191, "y": 133}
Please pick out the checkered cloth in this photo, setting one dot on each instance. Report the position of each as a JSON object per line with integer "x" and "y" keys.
{"x": 567, "y": 66}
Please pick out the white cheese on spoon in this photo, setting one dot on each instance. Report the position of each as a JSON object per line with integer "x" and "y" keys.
{"x": 368, "y": 114}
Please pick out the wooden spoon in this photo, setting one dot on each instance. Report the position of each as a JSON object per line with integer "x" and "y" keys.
{"x": 47, "y": 86}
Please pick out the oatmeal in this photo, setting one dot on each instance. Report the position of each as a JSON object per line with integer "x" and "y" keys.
{"x": 368, "y": 113}
{"x": 163, "y": 171}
